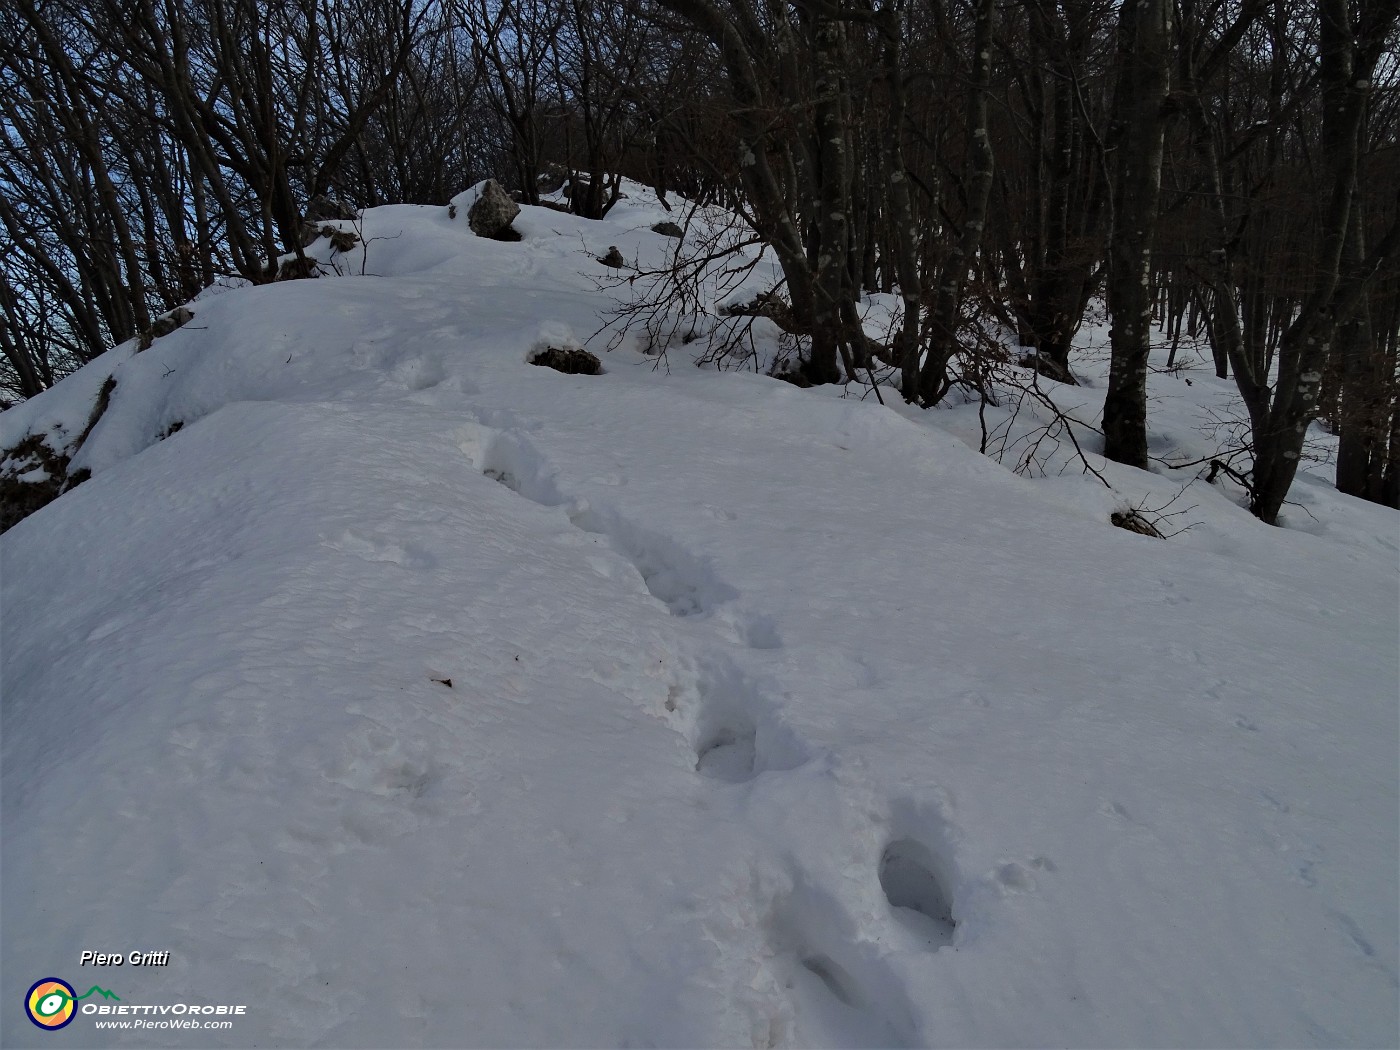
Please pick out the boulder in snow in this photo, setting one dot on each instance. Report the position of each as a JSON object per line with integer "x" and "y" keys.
{"x": 33, "y": 474}
{"x": 31, "y": 477}
{"x": 165, "y": 324}
{"x": 295, "y": 268}
{"x": 342, "y": 240}
{"x": 551, "y": 180}
{"x": 493, "y": 213}
{"x": 569, "y": 360}
{"x": 1132, "y": 520}
{"x": 321, "y": 208}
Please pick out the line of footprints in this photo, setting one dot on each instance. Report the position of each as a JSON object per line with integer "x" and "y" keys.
{"x": 735, "y": 735}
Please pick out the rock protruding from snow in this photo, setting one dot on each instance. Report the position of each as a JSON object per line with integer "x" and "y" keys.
{"x": 31, "y": 476}
{"x": 34, "y": 473}
{"x": 569, "y": 360}
{"x": 321, "y": 208}
{"x": 341, "y": 240}
{"x": 552, "y": 179}
{"x": 668, "y": 229}
{"x": 165, "y": 324}
{"x": 1134, "y": 521}
{"x": 493, "y": 213}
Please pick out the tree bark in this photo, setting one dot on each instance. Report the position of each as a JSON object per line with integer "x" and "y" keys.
{"x": 1306, "y": 343}
{"x": 1145, "y": 48}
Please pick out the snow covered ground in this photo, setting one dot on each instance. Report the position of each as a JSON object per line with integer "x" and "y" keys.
{"x": 775, "y": 717}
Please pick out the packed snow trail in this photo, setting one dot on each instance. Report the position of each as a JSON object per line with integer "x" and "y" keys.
{"x": 415, "y": 696}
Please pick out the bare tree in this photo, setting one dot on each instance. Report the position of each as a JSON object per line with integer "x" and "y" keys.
{"x": 1145, "y": 39}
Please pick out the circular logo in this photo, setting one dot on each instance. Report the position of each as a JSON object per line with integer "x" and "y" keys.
{"x": 49, "y": 1003}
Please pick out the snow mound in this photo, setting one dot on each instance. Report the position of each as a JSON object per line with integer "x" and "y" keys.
{"x": 411, "y": 695}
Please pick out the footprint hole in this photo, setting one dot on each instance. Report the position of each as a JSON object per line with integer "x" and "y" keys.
{"x": 505, "y": 477}
{"x": 836, "y": 980}
{"x": 727, "y": 753}
{"x": 909, "y": 875}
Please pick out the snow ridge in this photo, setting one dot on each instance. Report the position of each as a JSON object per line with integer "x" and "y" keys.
{"x": 436, "y": 699}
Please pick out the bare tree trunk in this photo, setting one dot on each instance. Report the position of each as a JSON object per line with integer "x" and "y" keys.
{"x": 1364, "y": 402}
{"x": 1145, "y": 48}
{"x": 1306, "y": 343}
{"x": 903, "y": 231}
{"x": 833, "y": 226}
{"x": 821, "y": 294}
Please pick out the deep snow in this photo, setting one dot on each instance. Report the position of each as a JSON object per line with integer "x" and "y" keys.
{"x": 775, "y": 717}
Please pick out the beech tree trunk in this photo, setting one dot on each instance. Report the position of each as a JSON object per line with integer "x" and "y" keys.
{"x": 1306, "y": 344}
{"x": 1145, "y": 48}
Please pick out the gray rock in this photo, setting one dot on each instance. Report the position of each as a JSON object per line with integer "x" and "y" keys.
{"x": 1134, "y": 521}
{"x": 613, "y": 258}
{"x": 295, "y": 269}
{"x": 668, "y": 229}
{"x": 569, "y": 360}
{"x": 164, "y": 325}
{"x": 551, "y": 179}
{"x": 342, "y": 240}
{"x": 320, "y": 208}
{"x": 493, "y": 213}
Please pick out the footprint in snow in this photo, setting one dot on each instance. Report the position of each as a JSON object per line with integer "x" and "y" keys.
{"x": 374, "y": 549}
{"x": 843, "y": 992}
{"x": 755, "y": 630}
{"x": 684, "y": 583}
{"x": 911, "y": 877}
{"x": 420, "y": 373}
{"x": 727, "y": 754}
{"x": 734, "y": 729}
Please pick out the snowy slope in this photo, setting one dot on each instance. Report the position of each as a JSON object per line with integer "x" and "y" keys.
{"x": 776, "y": 717}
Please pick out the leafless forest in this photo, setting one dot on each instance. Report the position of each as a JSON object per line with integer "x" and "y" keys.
{"x": 1217, "y": 169}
